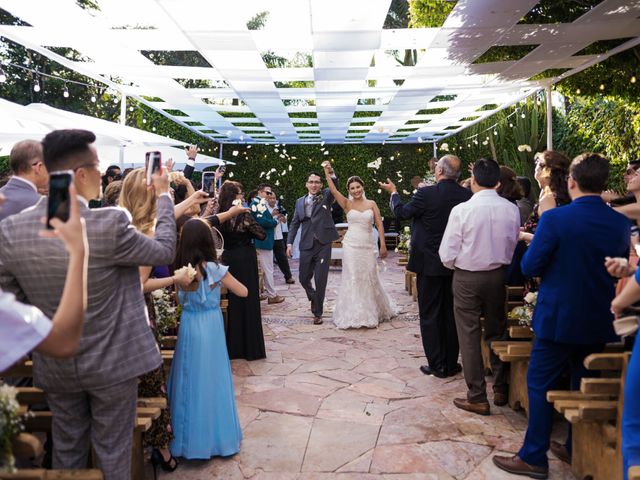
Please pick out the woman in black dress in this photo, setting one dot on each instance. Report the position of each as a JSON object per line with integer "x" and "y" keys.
{"x": 244, "y": 328}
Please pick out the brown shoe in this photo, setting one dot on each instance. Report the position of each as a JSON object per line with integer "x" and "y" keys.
{"x": 263, "y": 297}
{"x": 560, "y": 451}
{"x": 481, "y": 408}
{"x": 317, "y": 320}
{"x": 276, "y": 299}
{"x": 517, "y": 466}
{"x": 500, "y": 399}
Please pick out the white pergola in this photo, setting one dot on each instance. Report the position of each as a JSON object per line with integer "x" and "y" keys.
{"x": 350, "y": 75}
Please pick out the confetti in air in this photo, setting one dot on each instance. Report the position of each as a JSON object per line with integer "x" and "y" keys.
{"x": 234, "y": 153}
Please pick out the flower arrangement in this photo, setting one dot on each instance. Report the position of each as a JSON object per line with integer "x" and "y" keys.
{"x": 524, "y": 314}
{"x": 404, "y": 241}
{"x": 259, "y": 206}
{"x": 167, "y": 314}
{"x": 10, "y": 426}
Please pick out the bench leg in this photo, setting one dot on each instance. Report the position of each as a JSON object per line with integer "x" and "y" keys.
{"x": 137, "y": 455}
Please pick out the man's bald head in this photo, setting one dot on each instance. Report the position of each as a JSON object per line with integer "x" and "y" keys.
{"x": 451, "y": 166}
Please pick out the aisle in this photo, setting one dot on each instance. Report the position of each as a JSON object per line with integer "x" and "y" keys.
{"x": 331, "y": 404}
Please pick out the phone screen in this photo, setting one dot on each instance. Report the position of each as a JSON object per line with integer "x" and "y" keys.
{"x": 58, "y": 204}
{"x": 153, "y": 164}
{"x": 209, "y": 183}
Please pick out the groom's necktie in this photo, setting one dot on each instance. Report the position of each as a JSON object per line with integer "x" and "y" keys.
{"x": 308, "y": 205}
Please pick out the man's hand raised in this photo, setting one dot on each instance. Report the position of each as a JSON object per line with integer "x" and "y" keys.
{"x": 389, "y": 186}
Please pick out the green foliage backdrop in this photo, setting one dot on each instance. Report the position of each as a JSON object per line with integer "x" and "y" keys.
{"x": 291, "y": 164}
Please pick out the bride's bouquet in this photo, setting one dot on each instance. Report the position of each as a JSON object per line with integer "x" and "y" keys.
{"x": 10, "y": 426}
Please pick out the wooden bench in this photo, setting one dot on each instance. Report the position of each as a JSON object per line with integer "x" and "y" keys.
{"x": 41, "y": 474}
{"x": 148, "y": 409}
{"x": 595, "y": 413}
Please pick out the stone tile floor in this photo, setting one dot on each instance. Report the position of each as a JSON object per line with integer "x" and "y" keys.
{"x": 331, "y": 404}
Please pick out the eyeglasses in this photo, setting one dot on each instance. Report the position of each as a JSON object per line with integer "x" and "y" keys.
{"x": 314, "y": 182}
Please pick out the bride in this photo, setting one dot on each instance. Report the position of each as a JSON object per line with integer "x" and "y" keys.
{"x": 362, "y": 300}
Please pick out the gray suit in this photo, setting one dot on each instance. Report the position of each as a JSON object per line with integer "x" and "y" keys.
{"x": 18, "y": 195}
{"x": 93, "y": 394}
{"x": 318, "y": 232}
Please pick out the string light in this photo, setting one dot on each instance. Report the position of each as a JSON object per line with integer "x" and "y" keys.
{"x": 633, "y": 79}
{"x": 93, "y": 99}
{"x": 577, "y": 91}
{"x": 523, "y": 115}
{"x": 601, "y": 87}
{"x": 65, "y": 92}
{"x": 3, "y": 76}
{"x": 36, "y": 86}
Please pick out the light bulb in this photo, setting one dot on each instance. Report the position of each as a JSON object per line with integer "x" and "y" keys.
{"x": 511, "y": 125}
{"x": 3, "y": 77}
{"x": 65, "y": 92}
{"x": 633, "y": 79}
{"x": 154, "y": 129}
{"x": 93, "y": 99}
{"x": 144, "y": 120}
{"x": 577, "y": 91}
{"x": 601, "y": 87}
{"x": 523, "y": 115}
{"x": 495, "y": 132}
{"x": 36, "y": 86}
{"x": 131, "y": 109}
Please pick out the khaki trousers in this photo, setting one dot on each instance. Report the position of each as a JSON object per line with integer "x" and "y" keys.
{"x": 474, "y": 294}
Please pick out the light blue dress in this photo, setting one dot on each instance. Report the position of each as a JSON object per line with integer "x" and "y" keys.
{"x": 203, "y": 407}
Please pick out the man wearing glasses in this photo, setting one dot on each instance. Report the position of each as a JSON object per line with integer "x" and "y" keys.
{"x": 29, "y": 176}
{"x": 260, "y": 211}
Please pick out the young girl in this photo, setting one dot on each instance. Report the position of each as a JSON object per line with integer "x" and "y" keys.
{"x": 205, "y": 420}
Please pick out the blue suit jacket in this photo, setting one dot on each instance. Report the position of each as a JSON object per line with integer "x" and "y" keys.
{"x": 568, "y": 251}
{"x": 18, "y": 196}
{"x": 267, "y": 222}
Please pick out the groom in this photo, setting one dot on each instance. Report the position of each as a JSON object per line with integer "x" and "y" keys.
{"x": 313, "y": 214}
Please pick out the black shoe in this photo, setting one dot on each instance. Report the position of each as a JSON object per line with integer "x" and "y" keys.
{"x": 456, "y": 370}
{"x": 427, "y": 370}
{"x": 166, "y": 465}
{"x": 290, "y": 281}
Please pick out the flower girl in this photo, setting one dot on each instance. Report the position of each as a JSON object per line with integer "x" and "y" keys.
{"x": 205, "y": 420}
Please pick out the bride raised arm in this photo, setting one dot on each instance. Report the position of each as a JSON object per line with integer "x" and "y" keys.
{"x": 328, "y": 173}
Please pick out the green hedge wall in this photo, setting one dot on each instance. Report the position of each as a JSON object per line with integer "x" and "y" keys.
{"x": 291, "y": 164}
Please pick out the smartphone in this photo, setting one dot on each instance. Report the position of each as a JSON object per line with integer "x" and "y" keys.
{"x": 58, "y": 205}
{"x": 153, "y": 164}
{"x": 209, "y": 183}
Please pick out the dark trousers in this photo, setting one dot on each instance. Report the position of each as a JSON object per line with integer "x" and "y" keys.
{"x": 549, "y": 360}
{"x": 475, "y": 293}
{"x": 437, "y": 323}
{"x": 281, "y": 258}
{"x": 314, "y": 263}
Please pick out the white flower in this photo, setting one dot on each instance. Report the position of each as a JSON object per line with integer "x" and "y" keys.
{"x": 237, "y": 202}
{"x": 290, "y": 167}
{"x": 445, "y": 147}
{"x": 407, "y": 230}
{"x": 375, "y": 164}
{"x": 157, "y": 294}
{"x": 531, "y": 298}
{"x": 524, "y": 148}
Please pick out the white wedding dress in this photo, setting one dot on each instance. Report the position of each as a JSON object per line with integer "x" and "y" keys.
{"x": 362, "y": 300}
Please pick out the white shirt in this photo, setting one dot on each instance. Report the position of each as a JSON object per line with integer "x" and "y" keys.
{"x": 277, "y": 231}
{"x": 28, "y": 182}
{"x": 22, "y": 328}
{"x": 481, "y": 234}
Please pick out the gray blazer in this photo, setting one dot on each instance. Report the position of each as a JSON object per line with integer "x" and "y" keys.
{"x": 320, "y": 225}
{"x": 117, "y": 343}
{"x": 17, "y": 196}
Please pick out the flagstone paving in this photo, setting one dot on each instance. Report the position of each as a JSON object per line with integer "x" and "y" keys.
{"x": 331, "y": 404}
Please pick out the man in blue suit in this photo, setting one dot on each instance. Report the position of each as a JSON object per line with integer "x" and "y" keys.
{"x": 29, "y": 175}
{"x": 572, "y": 318}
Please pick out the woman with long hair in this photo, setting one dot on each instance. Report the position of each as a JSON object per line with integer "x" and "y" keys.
{"x": 362, "y": 300}
{"x": 551, "y": 173}
{"x": 244, "y": 328}
{"x": 201, "y": 396}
